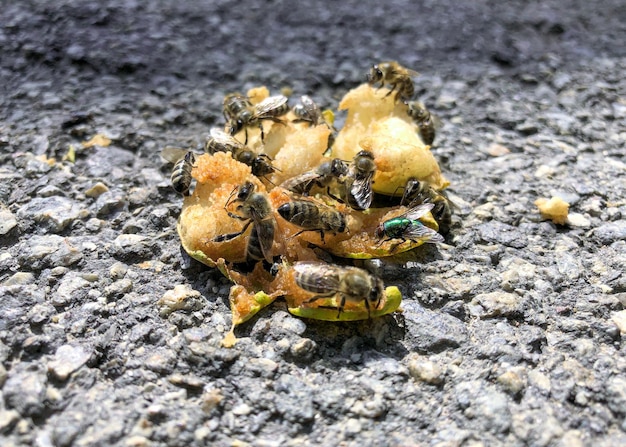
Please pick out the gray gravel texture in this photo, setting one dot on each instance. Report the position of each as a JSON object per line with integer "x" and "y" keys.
{"x": 512, "y": 334}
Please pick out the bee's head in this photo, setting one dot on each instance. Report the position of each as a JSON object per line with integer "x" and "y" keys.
{"x": 235, "y": 126}
{"x": 377, "y": 292}
{"x": 364, "y": 161}
{"x": 375, "y": 75}
{"x": 245, "y": 191}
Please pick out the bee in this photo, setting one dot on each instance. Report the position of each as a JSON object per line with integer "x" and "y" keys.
{"x": 416, "y": 193}
{"x": 261, "y": 164}
{"x": 308, "y": 112}
{"x": 356, "y": 188}
{"x": 313, "y": 216}
{"x": 321, "y": 176}
{"x": 348, "y": 283}
{"x": 183, "y": 160}
{"x": 422, "y": 117}
{"x": 256, "y": 210}
{"x": 407, "y": 227}
{"x": 395, "y": 75}
{"x": 241, "y": 114}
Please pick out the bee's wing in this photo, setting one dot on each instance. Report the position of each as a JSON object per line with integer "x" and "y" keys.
{"x": 269, "y": 104}
{"x": 411, "y": 192}
{"x": 219, "y": 134}
{"x": 412, "y": 73}
{"x": 418, "y": 211}
{"x": 300, "y": 183}
{"x": 417, "y": 230}
{"x": 265, "y": 233}
{"x": 437, "y": 122}
{"x": 361, "y": 191}
{"x": 225, "y": 140}
{"x": 323, "y": 278}
{"x": 309, "y": 103}
{"x": 173, "y": 154}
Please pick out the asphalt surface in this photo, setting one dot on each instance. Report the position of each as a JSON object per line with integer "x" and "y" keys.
{"x": 511, "y": 334}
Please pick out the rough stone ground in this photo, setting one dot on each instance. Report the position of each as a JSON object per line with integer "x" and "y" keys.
{"x": 511, "y": 335}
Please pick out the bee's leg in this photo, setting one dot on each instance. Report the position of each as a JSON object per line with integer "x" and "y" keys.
{"x": 332, "y": 196}
{"x": 246, "y": 140}
{"x": 237, "y": 216}
{"x": 378, "y": 302}
{"x": 312, "y": 299}
{"x": 271, "y": 118}
{"x": 226, "y": 237}
{"x": 302, "y": 231}
{"x": 262, "y": 132}
{"x": 274, "y": 119}
{"x": 393, "y": 87}
{"x": 342, "y": 303}
{"x": 322, "y": 236}
{"x": 367, "y": 304}
{"x": 315, "y": 298}
{"x": 298, "y": 233}
{"x": 229, "y": 236}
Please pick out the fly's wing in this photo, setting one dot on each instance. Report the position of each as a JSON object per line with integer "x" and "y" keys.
{"x": 317, "y": 277}
{"x": 266, "y": 106}
{"x": 173, "y": 154}
{"x": 417, "y": 230}
{"x": 418, "y": 211}
{"x": 361, "y": 192}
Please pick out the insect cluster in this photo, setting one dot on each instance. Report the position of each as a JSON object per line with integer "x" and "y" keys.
{"x": 281, "y": 197}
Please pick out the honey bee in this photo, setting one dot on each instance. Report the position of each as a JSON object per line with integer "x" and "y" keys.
{"x": 417, "y": 193}
{"x": 256, "y": 210}
{"x": 422, "y": 117}
{"x": 406, "y": 226}
{"x": 348, "y": 283}
{"x": 183, "y": 160}
{"x": 356, "y": 185}
{"x": 313, "y": 216}
{"x": 308, "y": 112}
{"x": 395, "y": 75}
{"x": 241, "y": 114}
{"x": 322, "y": 176}
{"x": 261, "y": 164}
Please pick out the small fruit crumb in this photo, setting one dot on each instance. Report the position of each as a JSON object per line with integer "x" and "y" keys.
{"x": 554, "y": 209}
